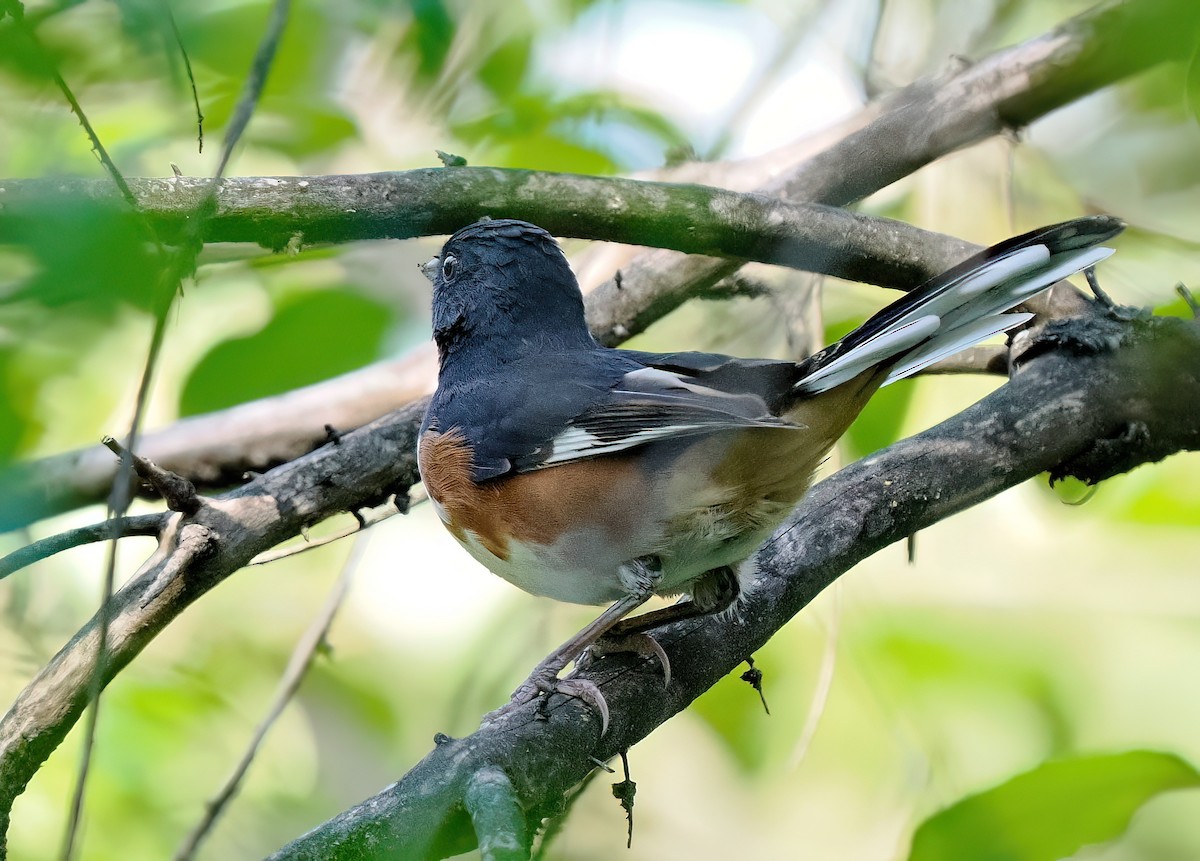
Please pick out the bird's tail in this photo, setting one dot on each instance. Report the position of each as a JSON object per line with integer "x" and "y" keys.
{"x": 963, "y": 305}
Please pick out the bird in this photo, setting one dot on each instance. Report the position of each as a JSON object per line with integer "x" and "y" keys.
{"x": 597, "y": 475}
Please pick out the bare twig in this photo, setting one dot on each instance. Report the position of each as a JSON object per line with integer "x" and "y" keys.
{"x": 364, "y": 523}
{"x": 179, "y": 493}
{"x": 1188, "y": 298}
{"x": 142, "y": 524}
{"x": 256, "y": 79}
{"x": 303, "y": 655}
{"x": 187, "y": 67}
{"x": 983, "y": 359}
{"x": 17, "y": 10}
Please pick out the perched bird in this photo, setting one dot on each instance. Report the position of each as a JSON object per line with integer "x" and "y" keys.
{"x": 593, "y": 475}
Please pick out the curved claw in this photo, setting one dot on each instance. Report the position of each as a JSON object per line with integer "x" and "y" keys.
{"x": 639, "y": 644}
{"x": 584, "y": 690}
{"x": 541, "y": 684}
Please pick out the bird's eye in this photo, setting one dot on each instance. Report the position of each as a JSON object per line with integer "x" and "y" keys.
{"x": 449, "y": 267}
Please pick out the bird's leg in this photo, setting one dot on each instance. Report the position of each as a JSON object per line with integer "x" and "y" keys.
{"x": 639, "y": 577}
{"x": 715, "y": 591}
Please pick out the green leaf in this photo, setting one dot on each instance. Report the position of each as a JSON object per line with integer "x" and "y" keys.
{"x": 12, "y": 422}
{"x": 430, "y": 36}
{"x": 1193, "y": 85}
{"x": 313, "y": 338}
{"x": 1052, "y": 811}
{"x": 83, "y": 255}
{"x": 504, "y": 69}
{"x": 878, "y": 425}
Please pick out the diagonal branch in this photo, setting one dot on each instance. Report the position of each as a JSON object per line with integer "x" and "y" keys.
{"x": 44, "y": 548}
{"x": 1106, "y": 378}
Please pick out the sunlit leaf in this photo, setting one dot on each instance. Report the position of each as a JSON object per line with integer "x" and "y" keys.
{"x": 430, "y": 36}
{"x": 1052, "y": 811}
{"x": 504, "y": 69}
{"x": 316, "y": 336}
{"x": 12, "y": 422}
{"x": 879, "y": 424}
{"x": 84, "y": 255}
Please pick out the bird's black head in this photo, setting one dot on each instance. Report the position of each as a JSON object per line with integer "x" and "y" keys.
{"x": 502, "y": 289}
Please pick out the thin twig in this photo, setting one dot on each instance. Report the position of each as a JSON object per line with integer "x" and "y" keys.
{"x": 363, "y": 524}
{"x": 187, "y": 66}
{"x": 820, "y": 696}
{"x": 95, "y": 687}
{"x": 179, "y": 493}
{"x": 170, "y": 278}
{"x": 17, "y": 10}
{"x": 1188, "y": 298}
{"x": 142, "y": 524}
{"x": 255, "y": 80}
{"x": 298, "y": 665}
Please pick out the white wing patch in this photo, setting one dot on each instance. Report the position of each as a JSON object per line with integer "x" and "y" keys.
{"x": 653, "y": 404}
{"x": 576, "y": 443}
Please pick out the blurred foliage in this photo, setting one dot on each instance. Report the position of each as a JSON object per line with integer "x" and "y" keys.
{"x": 1028, "y": 635}
{"x": 1048, "y": 813}
{"x": 310, "y": 338}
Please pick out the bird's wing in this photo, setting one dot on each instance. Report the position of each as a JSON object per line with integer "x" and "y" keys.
{"x": 568, "y": 407}
{"x": 649, "y": 404}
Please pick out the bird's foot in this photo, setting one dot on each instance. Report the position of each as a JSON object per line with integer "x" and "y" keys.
{"x": 640, "y": 577}
{"x": 641, "y": 644}
{"x": 544, "y": 682}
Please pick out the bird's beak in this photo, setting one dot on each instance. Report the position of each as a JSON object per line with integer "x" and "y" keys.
{"x": 430, "y": 267}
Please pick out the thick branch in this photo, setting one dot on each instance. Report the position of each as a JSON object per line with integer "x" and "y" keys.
{"x": 694, "y": 219}
{"x": 1110, "y": 376}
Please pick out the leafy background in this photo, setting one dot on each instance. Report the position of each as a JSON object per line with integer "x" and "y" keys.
{"x": 1025, "y": 690}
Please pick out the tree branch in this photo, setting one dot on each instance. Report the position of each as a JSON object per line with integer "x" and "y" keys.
{"x": 121, "y": 527}
{"x": 1084, "y": 383}
{"x": 694, "y": 219}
